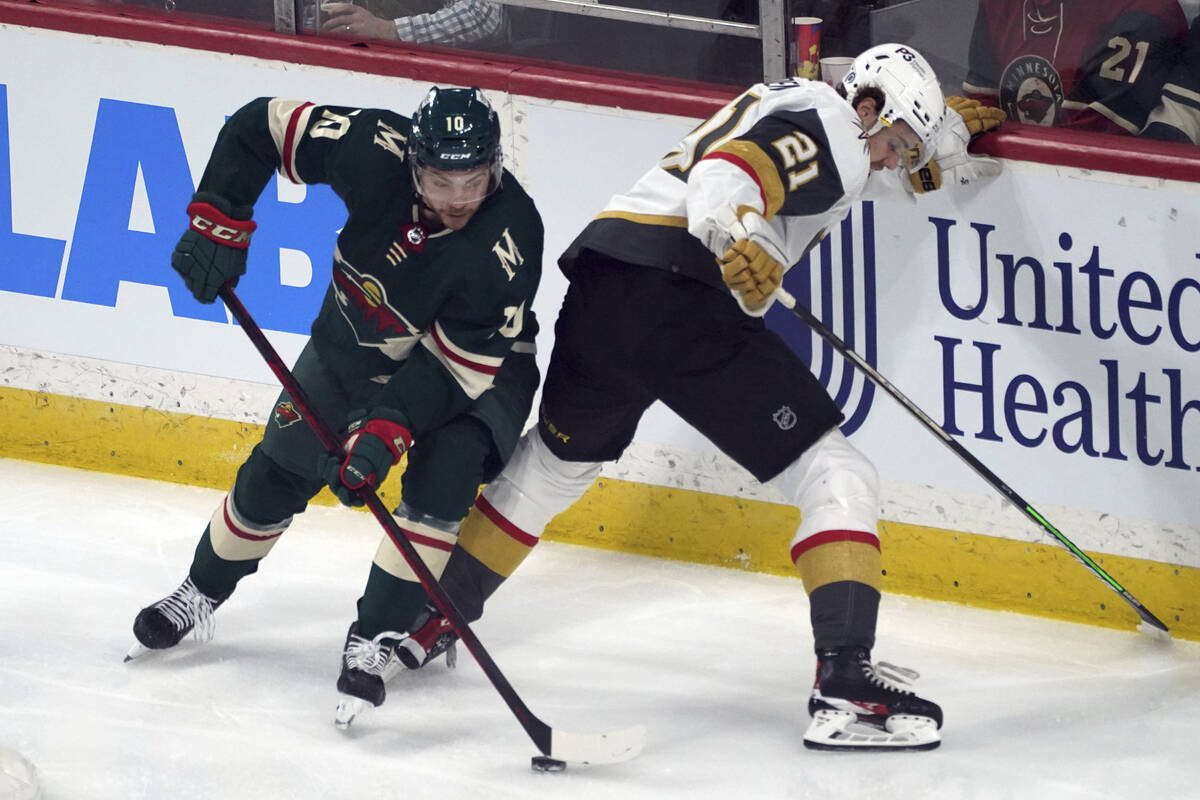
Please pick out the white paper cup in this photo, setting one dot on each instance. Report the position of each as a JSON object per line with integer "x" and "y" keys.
{"x": 834, "y": 68}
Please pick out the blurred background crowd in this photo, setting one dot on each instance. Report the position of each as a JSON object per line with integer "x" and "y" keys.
{"x": 1118, "y": 66}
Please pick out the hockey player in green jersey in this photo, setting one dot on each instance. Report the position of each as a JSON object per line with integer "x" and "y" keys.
{"x": 677, "y": 272}
{"x": 423, "y": 345}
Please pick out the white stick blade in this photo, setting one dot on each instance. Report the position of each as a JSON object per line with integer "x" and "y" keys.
{"x": 611, "y": 747}
{"x": 1154, "y": 633}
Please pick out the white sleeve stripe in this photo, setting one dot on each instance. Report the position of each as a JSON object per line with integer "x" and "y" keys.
{"x": 970, "y": 88}
{"x": 474, "y": 373}
{"x": 469, "y": 360}
{"x": 472, "y": 383}
{"x": 1182, "y": 94}
{"x": 1109, "y": 114}
{"x": 288, "y": 120}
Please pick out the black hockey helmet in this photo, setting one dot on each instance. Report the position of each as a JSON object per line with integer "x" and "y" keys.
{"x": 454, "y": 130}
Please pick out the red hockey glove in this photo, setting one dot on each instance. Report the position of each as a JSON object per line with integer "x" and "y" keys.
{"x": 374, "y": 446}
{"x": 213, "y": 249}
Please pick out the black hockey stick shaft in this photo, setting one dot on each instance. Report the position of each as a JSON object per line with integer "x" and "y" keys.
{"x": 538, "y": 731}
{"x": 1000, "y": 486}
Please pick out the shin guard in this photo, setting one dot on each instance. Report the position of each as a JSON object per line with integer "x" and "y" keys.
{"x": 394, "y": 595}
{"x": 231, "y": 548}
{"x": 836, "y": 548}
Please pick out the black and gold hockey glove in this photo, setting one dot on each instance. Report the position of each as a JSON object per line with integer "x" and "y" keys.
{"x": 750, "y": 257}
{"x": 977, "y": 117}
{"x": 750, "y": 271}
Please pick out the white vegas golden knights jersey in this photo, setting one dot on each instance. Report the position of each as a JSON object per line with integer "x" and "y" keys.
{"x": 793, "y": 150}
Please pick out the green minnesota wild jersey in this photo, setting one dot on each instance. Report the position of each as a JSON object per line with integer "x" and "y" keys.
{"x": 429, "y": 315}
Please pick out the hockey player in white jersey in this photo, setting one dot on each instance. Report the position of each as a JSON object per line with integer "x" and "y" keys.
{"x": 668, "y": 285}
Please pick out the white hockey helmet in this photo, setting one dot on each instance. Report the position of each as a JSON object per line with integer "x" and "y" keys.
{"x": 910, "y": 89}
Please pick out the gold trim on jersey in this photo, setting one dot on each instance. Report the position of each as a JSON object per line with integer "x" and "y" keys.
{"x": 664, "y": 220}
{"x": 766, "y": 173}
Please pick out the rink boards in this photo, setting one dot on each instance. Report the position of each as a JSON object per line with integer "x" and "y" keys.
{"x": 1049, "y": 322}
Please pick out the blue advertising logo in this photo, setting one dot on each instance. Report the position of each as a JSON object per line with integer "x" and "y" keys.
{"x": 836, "y": 281}
{"x": 28, "y": 264}
{"x": 131, "y": 139}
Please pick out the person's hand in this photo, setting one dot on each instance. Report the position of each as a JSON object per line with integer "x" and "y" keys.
{"x": 375, "y": 445}
{"x": 213, "y": 248}
{"x": 751, "y": 272}
{"x": 951, "y": 163}
{"x": 347, "y": 19}
{"x": 753, "y": 265}
{"x": 977, "y": 117}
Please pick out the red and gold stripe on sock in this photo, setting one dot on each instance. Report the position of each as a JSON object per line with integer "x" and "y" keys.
{"x": 495, "y": 541}
{"x": 838, "y": 555}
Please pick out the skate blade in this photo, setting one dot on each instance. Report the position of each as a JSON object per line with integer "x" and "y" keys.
{"x": 136, "y": 651}
{"x": 392, "y": 668}
{"x": 841, "y": 730}
{"x": 348, "y": 709}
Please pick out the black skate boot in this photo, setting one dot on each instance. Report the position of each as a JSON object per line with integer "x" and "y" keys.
{"x": 859, "y": 706}
{"x": 433, "y": 636}
{"x": 165, "y": 623}
{"x": 366, "y": 664}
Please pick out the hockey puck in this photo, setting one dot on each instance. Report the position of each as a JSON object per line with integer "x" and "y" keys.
{"x": 547, "y": 764}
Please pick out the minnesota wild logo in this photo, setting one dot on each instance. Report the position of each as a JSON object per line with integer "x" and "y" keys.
{"x": 286, "y": 414}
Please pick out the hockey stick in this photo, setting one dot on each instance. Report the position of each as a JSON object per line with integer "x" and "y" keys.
{"x": 580, "y": 748}
{"x": 1150, "y": 623}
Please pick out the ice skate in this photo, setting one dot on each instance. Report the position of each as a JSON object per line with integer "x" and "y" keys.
{"x": 433, "y": 636}
{"x": 856, "y": 705}
{"x": 366, "y": 663}
{"x": 165, "y": 623}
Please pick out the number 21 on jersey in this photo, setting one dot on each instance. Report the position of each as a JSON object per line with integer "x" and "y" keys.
{"x": 796, "y": 150}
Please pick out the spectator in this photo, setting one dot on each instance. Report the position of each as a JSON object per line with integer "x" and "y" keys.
{"x": 449, "y": 22}
{"x": 1077, "y": 63}
{"x": 1177, "y": 117}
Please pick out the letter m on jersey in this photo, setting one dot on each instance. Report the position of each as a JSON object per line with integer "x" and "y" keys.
{"x": 507, "y": 253}
{"x": 836, "y": 280}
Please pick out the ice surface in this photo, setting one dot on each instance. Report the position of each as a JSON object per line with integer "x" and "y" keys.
{"x": 716, "y": 663}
